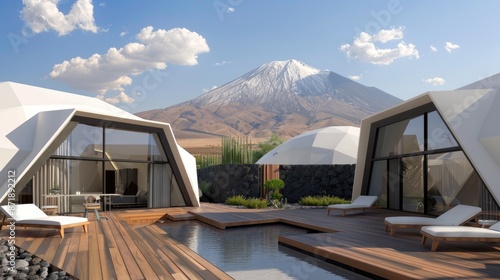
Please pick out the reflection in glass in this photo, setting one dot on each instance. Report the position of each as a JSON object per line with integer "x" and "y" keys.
{"x": 403, "y": 137}
{"x": 126, "y": 145}
{"x": 448, "y": 176}
{"x": 83, "y": 141}
{"x": 394, "y": 184}
{"x": 439, "y": 137}
{"x": 413, "y": 184}
{"x": 107, "y": 160}
{"x": 378, "y": 181}
{"x": 69, "y": 176}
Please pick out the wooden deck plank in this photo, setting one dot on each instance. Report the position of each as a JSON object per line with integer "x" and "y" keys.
{"x": 155, "y": 266}
{"x": 164, "y": 255}
{"x": 129, "y": 258}
{"x": 37, "y": 242}
{"x": 357, "y": 240}
{"x": 82, "y": 267}
{"x": 94, "y": 265}
{"x": 71, "y": 257}
{"x": 107, "y": 269}
{"x": 164, "y": 258}
{"x": 106, "y": 242}
{"x": 61, "y": 252}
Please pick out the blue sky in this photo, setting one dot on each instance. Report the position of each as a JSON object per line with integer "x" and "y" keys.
{"x": 142, "y": 55}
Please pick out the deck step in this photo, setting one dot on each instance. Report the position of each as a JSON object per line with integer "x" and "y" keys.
{"x": 180, "y": 217}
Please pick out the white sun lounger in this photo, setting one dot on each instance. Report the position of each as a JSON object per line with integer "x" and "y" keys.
{"x": 29, "y": 215}
{"x": 460, "y": 233}
{"x": 362, "y": 202}
{"x": 456, "y": 216}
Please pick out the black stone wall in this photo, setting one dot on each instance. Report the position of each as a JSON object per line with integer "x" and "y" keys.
{"x": 305, "y": 180}
{"x": 221, "y": 181}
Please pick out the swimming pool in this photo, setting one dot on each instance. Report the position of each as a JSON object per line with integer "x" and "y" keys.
{"x": 253, "y": 252}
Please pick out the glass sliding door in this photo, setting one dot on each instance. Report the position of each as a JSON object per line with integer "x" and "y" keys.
{"x": 413, "y": 184}
{"x": 105, "y": 159}
{"x": 394, "y": 185}
{"x": 418, "y": 166}
{"x": 378, "y": 181}
{"x": 451, "y": 181}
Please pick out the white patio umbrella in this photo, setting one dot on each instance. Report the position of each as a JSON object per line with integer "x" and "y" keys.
{"x": 330, "y": 145}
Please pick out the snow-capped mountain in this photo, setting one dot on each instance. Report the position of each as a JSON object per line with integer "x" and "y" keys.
{"x": 283, "y": 97}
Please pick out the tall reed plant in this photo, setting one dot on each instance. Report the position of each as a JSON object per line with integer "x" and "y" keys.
{"x": 237, "y": 150}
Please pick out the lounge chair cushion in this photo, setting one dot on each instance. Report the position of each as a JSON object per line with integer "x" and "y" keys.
{"x": 23, "y": 212}
{"x": 32, "y": 216}
{"x": 456, "y": 216}
{"x": 462, "y": 231}
{"x": 453, "y": 217}
{"x": 495, "y": 226}
{"x": 52, "y": 221}
{"x": 360, "y": 202}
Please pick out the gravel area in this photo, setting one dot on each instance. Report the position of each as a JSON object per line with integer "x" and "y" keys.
{"x": 17, "y": 263}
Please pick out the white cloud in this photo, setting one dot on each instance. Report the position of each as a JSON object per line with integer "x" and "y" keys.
{"x": 436, "y": 81}
{"x": 222, "y": 63}
{"x": 102, "y": 4}
{"x": 230, "y": 10}
{"x": 123, "y": 33}
{"x": 44, "y": 15}
{"x": 209, "y": 89}
{"x": 434, "y": 49}
{"x": 355, "y": 77}
{"x": 364, "y": 48}
{"x": 449, "y": 47}
{"x": 113, "y": 69}
{"x": 122, "y": 97}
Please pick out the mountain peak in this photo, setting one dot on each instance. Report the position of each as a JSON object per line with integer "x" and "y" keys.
{"x": 269, "y": 82}
{"x": 284, "y": 71}
{"x": 286, "y": 97}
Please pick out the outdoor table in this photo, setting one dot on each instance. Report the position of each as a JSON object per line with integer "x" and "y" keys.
{"x": 86, "y": 196}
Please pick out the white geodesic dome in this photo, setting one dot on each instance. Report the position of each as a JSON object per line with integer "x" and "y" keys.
{"x": 330, "y": 145}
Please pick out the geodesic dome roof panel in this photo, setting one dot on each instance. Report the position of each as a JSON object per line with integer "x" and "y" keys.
{"x": 330, "y": 145}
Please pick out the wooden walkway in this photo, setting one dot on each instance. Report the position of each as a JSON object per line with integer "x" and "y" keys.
{"x": 130, "y": 245}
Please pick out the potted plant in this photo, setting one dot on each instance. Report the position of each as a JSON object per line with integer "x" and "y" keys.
{"x": 274, "y": 196}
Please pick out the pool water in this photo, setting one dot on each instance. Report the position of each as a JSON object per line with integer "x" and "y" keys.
{"x": 253, "y": 252}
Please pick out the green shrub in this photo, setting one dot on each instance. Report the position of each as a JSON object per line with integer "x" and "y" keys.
{"x": 240, "y": 200}
{"x": 324, "y": 200}
{"x": 273, "y": 188}
{"x": 256, "y": 203}
{"x": 274, "y": 185}
{"x": 236, "y": 200}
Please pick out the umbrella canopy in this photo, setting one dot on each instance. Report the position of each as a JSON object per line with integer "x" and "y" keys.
{"x": 330, "y": 145}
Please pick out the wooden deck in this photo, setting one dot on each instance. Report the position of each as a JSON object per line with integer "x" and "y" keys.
{"x": 129, "y": 245}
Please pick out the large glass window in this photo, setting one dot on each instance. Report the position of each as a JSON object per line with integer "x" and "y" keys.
{"x": 448, "y": 177}
{"x": 413, "y": 184}
{"x": 378, "y": 181}
{"x": 403, "y": 137}
{"x": 84, "y": 141}
{"x": 122, "y": 144}
{"x": 418, "y": 167}
{"x": 438, "y": 135}
{"x": 96, "y": 159}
